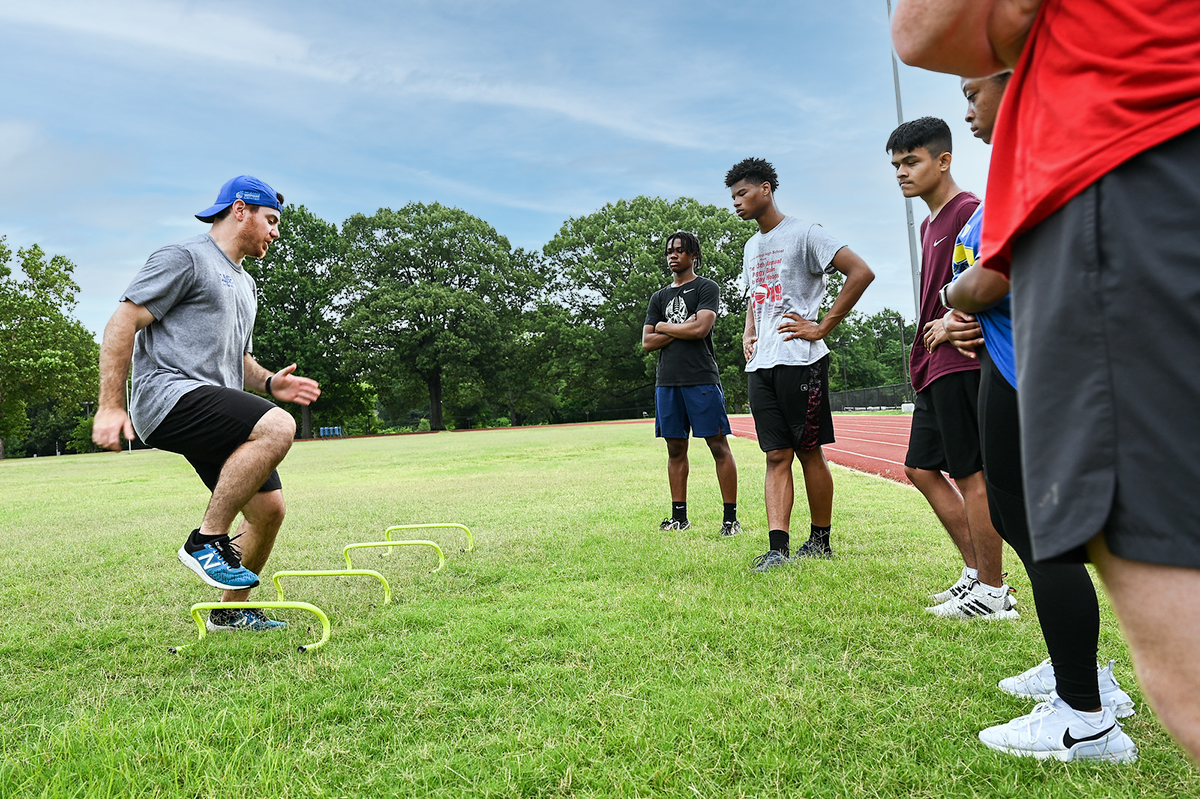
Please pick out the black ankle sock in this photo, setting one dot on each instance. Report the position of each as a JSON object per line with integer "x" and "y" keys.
{"x": 820, "y": 535}
{"x": 731, "y": 511}
{"x": 198, "y": 540}
{"x": 779, "y": 541}
{"x": 679, "y": 511}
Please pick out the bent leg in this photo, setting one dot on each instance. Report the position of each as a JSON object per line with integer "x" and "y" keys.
{"x": 677, "y": 468}
{"x": 948, "y": 506}
{"x": 818, "y": 485}
{"x": 726, "y": 467}
{"x": 261, "y": 519}
{"x": 1159, "y": 610}
{"x": 247, "y": 469}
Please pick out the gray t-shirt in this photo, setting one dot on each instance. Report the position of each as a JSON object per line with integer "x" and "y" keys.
{"x": 204, "y": 306}
{"x": 784, "y": 272}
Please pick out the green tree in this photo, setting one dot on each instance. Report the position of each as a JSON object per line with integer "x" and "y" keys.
{"x": 612, "y": 261}
{"x": 433, "y": 297}
{"x": 301, "y": 301}
{"x": 867, "y": 350}
{"x": 46, "y": 354}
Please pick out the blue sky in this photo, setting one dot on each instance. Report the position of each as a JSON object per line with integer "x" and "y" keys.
{"x": 122, "y": 119}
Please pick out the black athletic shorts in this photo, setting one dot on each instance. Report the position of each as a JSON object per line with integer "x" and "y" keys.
{"x": 206, "y": 425}
{"x": 790, "y": 405}
{"x": 1106, "y": 322}
{"x": 945, "y": 426}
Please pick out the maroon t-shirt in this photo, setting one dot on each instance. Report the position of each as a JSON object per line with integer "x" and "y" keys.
{"x": 937, "y": 258}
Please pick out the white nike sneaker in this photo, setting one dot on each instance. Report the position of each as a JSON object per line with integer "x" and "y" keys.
{"x": 961, "y": 587}
{"x": 1039, "y": 683}
{"x": 1056, "y": 730}
{"x": 977, "y": 603}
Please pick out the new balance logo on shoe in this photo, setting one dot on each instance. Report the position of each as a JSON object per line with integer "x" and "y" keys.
{"x": 209, "y": 559}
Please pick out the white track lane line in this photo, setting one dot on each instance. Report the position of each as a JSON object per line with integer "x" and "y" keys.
{"x": 860, "y": 455}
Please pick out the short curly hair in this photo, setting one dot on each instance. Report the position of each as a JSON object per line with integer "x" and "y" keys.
{"x": 691, "y": 244}
{"x": 755, "y": 170}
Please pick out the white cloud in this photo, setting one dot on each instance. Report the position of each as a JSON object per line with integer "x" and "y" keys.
{"x": 186, "y": 29}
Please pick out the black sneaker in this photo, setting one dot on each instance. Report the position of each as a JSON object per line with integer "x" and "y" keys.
{"x": 772, "y": 559}
{"x": 814, "y": 549}
{"x": 674, "y": 524}
{"x": 730, "y": 529}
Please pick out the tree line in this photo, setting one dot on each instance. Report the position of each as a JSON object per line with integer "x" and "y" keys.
{"x": 425, "y": 316}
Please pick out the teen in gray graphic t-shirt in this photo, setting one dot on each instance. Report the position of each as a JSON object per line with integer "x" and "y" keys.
{"x": 784, "y": 270}
{"x": 201, "y": 342}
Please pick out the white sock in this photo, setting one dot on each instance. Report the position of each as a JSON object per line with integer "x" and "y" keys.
{"x": 1093, "y": 718}
{"x": 972, "y": 573}
{"x": 993, "y": 590}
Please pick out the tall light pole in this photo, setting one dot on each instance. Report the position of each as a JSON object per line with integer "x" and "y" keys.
{"x": 904, "y": 352}
{"x": 912, "y": 228}
{"x": 841, "y": 343}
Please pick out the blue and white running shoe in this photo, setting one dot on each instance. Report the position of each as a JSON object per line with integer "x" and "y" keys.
{"x": 254, "y": 620}
{"x": 216, "y": 562}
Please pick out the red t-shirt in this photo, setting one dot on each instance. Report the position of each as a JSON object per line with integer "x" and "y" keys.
{"x": 937, "y": 260}
{"x": 1097, "y": 84}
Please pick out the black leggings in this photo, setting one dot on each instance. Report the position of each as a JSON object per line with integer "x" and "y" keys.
{"x": 1065, "y": 597}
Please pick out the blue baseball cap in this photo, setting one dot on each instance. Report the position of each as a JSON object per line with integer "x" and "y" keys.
{"x": 246, "y": 188}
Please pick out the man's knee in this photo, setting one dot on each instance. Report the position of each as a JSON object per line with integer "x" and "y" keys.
{"x": 807, "y": 457}
{"x": 919, "y": 477}
{"x": 719, "y": 446}
{"x": 972, "y": 484}
{"x": 777, "y": 458}
{"x": 266, "y": 509}
{"x": 277, "y": 425}
{"x": 677, "y": 447}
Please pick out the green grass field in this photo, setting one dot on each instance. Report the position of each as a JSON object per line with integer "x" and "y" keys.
{"x": 577, "y": 652}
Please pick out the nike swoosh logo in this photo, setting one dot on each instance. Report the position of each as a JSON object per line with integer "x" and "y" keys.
{"x": 685, "y": 291}
{"x": 1069, "y": 740}
{"x": 939, "y": 241}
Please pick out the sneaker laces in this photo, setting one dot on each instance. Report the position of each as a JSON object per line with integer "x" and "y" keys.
{"x": 228, "y": 552}
{"x": 770, "y": 554}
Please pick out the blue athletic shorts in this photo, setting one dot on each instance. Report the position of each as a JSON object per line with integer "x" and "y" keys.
{"x": 676, "y": 408}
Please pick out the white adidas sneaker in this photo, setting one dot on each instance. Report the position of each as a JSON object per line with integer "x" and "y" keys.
{"x": 961, "y": 587}
{"x": 1038, "y": 683}
{"x": 977, "y": 603}
{"x": 1055, "y": 730}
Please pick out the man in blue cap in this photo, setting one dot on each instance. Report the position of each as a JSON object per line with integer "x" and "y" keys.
{"x": 187, "y": 321}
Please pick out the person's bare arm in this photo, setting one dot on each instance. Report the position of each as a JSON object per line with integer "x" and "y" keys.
{"x": 858, "y": 277}
{"x": 652, "y": 341}
{"x": 749, "y": 335}
{"x": 977, "y": 289}
{"x": 285, "y": 384}
{"x": 116, "y": 350}
{"x": 698, "y": 325}
{"x": 971, "y": 38}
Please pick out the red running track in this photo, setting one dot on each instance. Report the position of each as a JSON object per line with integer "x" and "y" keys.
{"x": 873, "y": 443}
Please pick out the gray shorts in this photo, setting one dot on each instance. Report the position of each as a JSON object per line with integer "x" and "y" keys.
{"x": 1106, "y": 321}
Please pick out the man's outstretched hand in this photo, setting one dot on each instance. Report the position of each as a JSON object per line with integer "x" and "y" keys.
{"x": 291, "y": 387}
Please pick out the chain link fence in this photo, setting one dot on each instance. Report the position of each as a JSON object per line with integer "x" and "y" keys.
{"x": 860, "y": 399}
